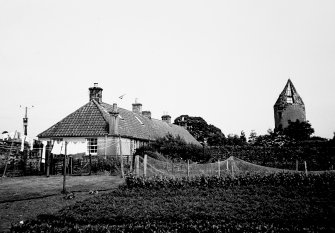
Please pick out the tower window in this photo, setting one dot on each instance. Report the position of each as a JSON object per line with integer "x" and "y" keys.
{"x": 289, "y": 100}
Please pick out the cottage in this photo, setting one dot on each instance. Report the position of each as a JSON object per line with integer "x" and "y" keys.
{"x": 108, "y": 130}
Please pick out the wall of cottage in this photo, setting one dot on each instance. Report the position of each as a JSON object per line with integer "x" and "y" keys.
{"x": 109, "y": 145}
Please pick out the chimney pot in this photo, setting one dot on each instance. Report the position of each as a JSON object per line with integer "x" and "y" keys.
{"x": 166, "y": 118}
{"x": 137, "y": 108}
{"x": 147, "y": 114}
{"x": 96, "y": 93}
{"x": 114, "y": 109}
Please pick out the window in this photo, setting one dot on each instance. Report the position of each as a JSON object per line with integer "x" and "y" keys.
{"x": 288, "y": 91}
{"x": 289, "y": 100}
{"x": 92, "y": 146}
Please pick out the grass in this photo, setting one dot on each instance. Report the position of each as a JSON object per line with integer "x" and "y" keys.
{"x": 19, "y": 188}
{"x": 24, "y": 198}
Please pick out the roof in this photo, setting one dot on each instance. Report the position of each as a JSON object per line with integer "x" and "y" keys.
{"x": 289, "y": 95}
{"x": 92, "y": 119}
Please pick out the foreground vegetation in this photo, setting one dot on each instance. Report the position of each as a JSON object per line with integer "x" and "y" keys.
{"x": 25, "y": 198}
{"x": 248, "y": 203}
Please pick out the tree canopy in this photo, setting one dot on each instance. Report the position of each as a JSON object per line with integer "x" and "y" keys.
{"x": 298, "y": 130}
{"x": 201, "y": 130}
{"x": 174, "y": 148}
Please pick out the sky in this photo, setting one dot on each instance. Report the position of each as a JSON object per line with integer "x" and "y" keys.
{"x": 225, "y": 61}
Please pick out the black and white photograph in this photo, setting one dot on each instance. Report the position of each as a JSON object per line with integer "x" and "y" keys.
{"x": 167, "y": 116}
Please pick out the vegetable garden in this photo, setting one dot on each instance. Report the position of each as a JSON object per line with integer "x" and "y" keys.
{"x": 276, "y": 202}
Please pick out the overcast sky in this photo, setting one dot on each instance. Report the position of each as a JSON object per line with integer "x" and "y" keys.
{"x": 226, "y": 61}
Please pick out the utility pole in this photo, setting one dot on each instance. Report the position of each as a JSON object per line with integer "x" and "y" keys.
{"x": 25, "y": 120}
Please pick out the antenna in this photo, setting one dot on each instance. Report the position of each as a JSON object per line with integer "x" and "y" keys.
{"x": 25, "y": 119}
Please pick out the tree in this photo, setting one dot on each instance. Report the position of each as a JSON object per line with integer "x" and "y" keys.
{"x": 174, "y": 148}
{"x": 201, "y": 130}
{"x": 298, "y": 131}
{"x": 243, "y": 139}
{"x": 252, "y": 137}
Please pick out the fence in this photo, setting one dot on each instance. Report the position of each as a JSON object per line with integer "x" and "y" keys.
{"x": 14, "y": 162}
{"x": 148, "y": 166}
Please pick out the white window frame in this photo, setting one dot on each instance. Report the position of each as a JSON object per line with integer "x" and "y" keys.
{"x": 92, "y": 146}
{"x": 289, "y": 100}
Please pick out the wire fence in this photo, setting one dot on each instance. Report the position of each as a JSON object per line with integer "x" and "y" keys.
{"x": 148, "y": 166}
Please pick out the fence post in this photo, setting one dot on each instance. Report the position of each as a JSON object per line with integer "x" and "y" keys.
{"x": 296, "y": 165}
{"x": 47, "y": 157}
{"x": 64, "y": 167}
{"x": 227, "y": 165}
{"x": 90, "y": 159}
{"x": 71, "y": 165}
{"x": 121, "y": 157}
{"x": 105, "y": 146}
{"x": 305, "y": 167}
{"x": 188, "y": 168}
{"x": 137, "y": 165}
{"x": 145, "y": 165}
{"x": 130, "y": 162}
{"x": 232, "y": 168}
{"x": 219, "y": 167}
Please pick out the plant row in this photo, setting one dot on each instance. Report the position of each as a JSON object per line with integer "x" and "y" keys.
{"x": 286, "y": 179}
{"x": 192, "y": 226}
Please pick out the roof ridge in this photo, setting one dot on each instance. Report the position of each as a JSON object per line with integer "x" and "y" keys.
{"x": 102, "y": 110}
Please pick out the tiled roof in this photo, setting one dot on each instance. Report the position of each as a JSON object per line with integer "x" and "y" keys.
{"x": 92, "y": 120}
{"x": 85, "y": 121}
{"x": 138, "y": 126}
{"x": 289, "y": 91}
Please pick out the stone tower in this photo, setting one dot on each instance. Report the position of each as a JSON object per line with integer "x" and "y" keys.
{"x": 289, "y": 106}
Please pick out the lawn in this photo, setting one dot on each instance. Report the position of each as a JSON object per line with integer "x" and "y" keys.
{"x": 23, "y": 198}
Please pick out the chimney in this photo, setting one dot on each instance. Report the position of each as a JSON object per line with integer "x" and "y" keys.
{"x": 114, "y": 120}
{"x": 183, "y": 123}
{"x": 137, "y": 107}
{"x": 147, "y": 114}
{"x": 166, "y": 118}
{"x": 96, "y": 93}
